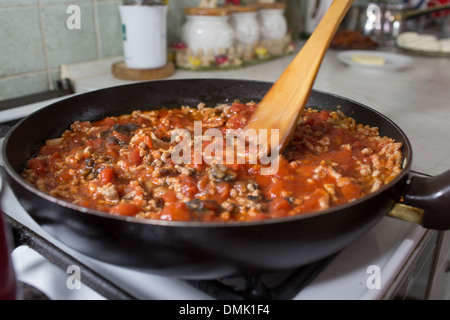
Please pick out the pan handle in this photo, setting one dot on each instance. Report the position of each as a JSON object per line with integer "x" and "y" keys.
{"x": 432, "y": 194}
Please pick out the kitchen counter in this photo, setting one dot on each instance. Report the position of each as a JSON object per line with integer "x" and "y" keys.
{"x": 416, "y": 98}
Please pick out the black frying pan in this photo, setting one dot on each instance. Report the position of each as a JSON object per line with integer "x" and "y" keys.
{"x": 208, "y": 250}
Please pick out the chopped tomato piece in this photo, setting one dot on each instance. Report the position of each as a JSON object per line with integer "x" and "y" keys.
{"x": 188, "y": 187}
{"x": 242, "y": 114}
{"x": 53, "y": 160}
{"x": 223, "y": 189}
{"x": 280, "y": 204}
{"x": 65, "y": 176}
{"x": 125, "y": 209}
{"x": 47, "y": 150}
{"x": 112, "y": 152}
{"x": 95, "y": 143}
{"x": 351, "y": 191}
{"x": 169, "y": 196}
{"x": 238, "y": 107}
{"x": 323, "y": 115}
{"x": 318, "y": 117}
{"x": 237, "y": 121}
{"x": 84, "y": 203}
{"x": 37, "y": 165}
{"x": 135, "y": 158}
{"x": 160, "y": 132}
{"x": 107, "y": 122}
{"x": 176, "y": 212}
{"x": 107, "y": 175}
{"x": 121, "y": 137}
{"x": 148, "y": 141}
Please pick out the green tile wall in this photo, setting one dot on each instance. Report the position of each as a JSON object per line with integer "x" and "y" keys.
{"x": 35, "y": 41}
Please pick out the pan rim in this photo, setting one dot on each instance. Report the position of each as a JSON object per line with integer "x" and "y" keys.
{"x": 198, "y": 224}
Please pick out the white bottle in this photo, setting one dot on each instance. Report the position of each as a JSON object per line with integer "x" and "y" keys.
{"x": 207, "y": 29}
{"x": 144, "y": 26}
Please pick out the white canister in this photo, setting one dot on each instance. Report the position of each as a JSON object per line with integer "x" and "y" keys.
{"x": 273, "y": 21}
{"x": 244, "y": 21}
{"x": 207, "y": 29}
{"x": 144, "y": 35}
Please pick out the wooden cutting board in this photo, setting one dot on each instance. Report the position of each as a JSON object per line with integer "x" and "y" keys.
{"x": 121, "y": 71}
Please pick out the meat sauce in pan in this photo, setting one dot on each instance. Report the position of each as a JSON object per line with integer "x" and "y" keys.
{"x": 125, "y": 166}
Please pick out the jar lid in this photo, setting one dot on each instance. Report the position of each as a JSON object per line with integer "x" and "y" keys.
{"x": 198, "y": 11}
{"x": 237, "y": 9}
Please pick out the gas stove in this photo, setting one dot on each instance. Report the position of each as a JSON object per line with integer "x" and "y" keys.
{"x": 392, "y": 261}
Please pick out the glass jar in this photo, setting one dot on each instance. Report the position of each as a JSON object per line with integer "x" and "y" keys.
{"x": 272, "y": 20}
{"x": 244, "y": 21}
{"x": 207, "y": 29}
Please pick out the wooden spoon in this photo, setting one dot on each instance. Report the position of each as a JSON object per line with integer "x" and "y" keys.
{"x": 284, "y": 103}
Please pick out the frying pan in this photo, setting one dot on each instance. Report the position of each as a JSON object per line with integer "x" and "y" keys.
{"x": 199, "y": 250}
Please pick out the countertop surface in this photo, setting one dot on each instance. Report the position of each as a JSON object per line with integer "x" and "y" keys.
{"x": 416, "y": 97}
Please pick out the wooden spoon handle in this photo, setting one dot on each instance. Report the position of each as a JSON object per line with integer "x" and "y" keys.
{"x": 283, "y": 104}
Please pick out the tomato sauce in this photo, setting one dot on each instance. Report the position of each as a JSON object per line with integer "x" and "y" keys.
{"x": 126, "y": 166}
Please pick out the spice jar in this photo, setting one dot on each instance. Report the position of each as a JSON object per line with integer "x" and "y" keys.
{"x": 244, "y": 21}
{"x": 207, "y": 29}
{"x": 272, "y": 20}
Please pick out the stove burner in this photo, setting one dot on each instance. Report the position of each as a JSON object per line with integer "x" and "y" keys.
{"x": 273, "y": 286}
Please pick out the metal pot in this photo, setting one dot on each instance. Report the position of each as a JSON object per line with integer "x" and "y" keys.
{"x": 383, "y": 20}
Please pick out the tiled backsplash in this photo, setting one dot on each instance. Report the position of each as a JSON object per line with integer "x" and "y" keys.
{"x": 35, "y": 41}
